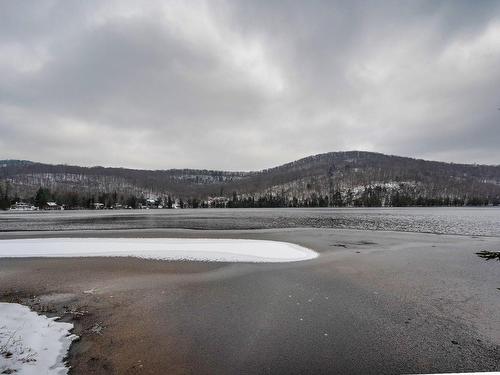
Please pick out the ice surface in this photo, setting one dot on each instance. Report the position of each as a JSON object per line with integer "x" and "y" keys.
{"x": 213, "y": 250}
{"x": 32, "y": 344}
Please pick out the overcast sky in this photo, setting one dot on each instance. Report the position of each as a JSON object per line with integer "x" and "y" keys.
{"x": 247, "y": 85}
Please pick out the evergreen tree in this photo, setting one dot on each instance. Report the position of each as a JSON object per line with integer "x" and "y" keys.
{"x": 4, "y": 199}
{"x": 42, "y": 197}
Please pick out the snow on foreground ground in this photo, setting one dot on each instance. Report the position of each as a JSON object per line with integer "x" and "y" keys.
{"x": 32, "y": 344}
{"x": 213, "y": 250}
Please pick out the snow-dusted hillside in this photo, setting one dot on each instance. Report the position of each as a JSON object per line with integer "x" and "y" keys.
{"x": 337, "y": 178}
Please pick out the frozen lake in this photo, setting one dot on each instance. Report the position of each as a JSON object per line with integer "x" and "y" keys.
{"x": 463, "y": 221}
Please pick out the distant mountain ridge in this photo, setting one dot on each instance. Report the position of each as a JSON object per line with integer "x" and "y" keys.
{"x": 332, "y": 179}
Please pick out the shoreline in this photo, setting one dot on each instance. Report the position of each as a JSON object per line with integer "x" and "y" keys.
{"x": 423, "y": 291}
{"x": 212, "y": 233}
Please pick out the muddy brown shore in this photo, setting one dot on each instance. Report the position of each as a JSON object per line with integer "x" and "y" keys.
{"x": 373, "y": 302}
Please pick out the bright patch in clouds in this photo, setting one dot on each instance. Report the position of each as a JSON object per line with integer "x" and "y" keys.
{"x": 247, "y": 84}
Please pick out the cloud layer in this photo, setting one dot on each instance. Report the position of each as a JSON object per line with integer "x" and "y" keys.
{"x": 247, "y": 85}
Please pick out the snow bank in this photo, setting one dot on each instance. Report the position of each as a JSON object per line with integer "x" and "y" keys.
{"x": 213, "y": 250}
{"x": 32, "y": 344}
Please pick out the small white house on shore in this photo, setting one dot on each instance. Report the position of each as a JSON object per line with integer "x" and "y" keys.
{"x": 21, "y": 206}
{"x": 53, "y": 206}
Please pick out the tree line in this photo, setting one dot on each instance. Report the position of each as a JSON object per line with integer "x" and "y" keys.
{"x": 370, "y": 197}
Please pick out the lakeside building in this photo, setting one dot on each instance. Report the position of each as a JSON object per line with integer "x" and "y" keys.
{"x": 150, "y": 203}
{"x": 219, "y": 202}
{"x": 21, "y": 206}
{"x": 52, "y": 206}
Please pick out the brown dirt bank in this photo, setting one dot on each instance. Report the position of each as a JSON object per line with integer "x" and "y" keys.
{"x": 373, "y": 302}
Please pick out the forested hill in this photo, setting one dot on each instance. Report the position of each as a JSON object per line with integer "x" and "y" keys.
{"x": 351, "y": 178}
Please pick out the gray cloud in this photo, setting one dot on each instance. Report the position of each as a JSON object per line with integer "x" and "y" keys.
{"x": 247, "y": 85}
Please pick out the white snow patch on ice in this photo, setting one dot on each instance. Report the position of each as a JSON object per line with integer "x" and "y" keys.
{"x": 32, "y": 344}
{"x": 213, "y": 250}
